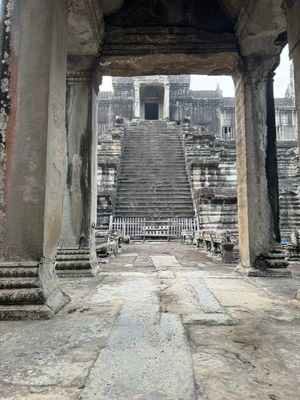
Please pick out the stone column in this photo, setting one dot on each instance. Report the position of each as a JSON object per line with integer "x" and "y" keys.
{"x": 32, "y": 136}
{"x": 77, "y": 253}
{"x": 292, "y": 8}
{"x": 166, "y": 109}
{"x": 258, "y": 200}
{"x": 137, "y": 101}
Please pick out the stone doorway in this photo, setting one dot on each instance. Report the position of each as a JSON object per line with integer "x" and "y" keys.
{"x": 151, "y": 111}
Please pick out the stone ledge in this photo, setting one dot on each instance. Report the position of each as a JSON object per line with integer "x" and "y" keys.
{"x": 263, "y": 273}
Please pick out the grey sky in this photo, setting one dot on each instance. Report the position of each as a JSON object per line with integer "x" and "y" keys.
{"x": 203, "y": 82}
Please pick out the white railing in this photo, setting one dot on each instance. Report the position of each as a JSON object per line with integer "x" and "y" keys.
{"x": 141, "y": 227}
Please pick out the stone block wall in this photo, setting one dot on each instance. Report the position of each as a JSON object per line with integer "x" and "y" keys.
{"x": 211, "y": 166}
{"x": 110, "y": 145}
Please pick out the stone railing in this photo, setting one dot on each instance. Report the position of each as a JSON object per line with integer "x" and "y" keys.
{"x": 218, "y": 243}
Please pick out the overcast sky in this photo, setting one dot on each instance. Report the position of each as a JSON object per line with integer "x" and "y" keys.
{"x": 203, "y": 82}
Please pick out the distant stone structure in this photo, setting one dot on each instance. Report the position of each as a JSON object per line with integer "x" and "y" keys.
{"x": 208, "y": 128}
{"x": 170, "y": 97}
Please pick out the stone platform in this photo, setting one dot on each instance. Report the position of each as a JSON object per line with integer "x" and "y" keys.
{"x": 161, "y": 321}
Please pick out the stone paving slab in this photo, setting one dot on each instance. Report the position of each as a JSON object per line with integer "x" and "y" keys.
{"x": 208, "y": 333}
{"x": 164, "y": 262}
{"x": 165, "y": 274}
{"x": 205, "y": 297}
{"x": 136, "y": 363}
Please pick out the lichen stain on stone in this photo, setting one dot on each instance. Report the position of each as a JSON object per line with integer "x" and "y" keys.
{"x": 5, "y": 103}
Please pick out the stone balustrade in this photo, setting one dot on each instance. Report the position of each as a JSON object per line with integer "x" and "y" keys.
{"x": 218, "y": 243}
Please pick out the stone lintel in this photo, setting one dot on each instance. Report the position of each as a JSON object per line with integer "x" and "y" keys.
{"x": 159, "y": 64}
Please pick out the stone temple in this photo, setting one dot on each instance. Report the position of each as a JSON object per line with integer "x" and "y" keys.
{"x": 149, "y": 237}
{"x": 129, "y": 182}
{"x": 48, "y": 176}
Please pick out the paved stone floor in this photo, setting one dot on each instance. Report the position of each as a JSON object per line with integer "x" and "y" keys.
{"x": 160, "y": 322}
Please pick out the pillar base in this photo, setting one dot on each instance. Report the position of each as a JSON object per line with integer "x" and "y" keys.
{"x": 29, "y": 290}
{"x": 263, "y": 273}
{"x": 73, "y": 262}
{"x": 272, "y": 265}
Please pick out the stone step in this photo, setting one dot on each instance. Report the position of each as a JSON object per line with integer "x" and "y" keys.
{"x": 73, "y": 257}
{"x": 73, "y": 250}
{"x": 18, "y": 272}
{"x": 161, "y": 190}
{"x": 153, "y": 177}
{"x": 19, "y": 264}
{"x": 21, "y": 296}
{"x": 19, "y": 283}
{"x": 175, "y": 168}
{"x": 138, "y": 214}
{"x": 71, "y": 265}
{"x": 74, "y": 273}
{"x": 24, "y": 311}
{"x": 160, "y": 206}
{"x": 155, "y": 141}
{"x": 151, "y": 200}
{"x": 150, "y": 183}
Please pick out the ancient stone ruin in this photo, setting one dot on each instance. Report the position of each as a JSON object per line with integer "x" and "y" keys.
{"x": 153, "y": 129}
{"x": 50, "y": 76}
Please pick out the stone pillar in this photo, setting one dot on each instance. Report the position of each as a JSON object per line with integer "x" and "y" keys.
{"x": 137, "y": 101}
{"x": 258, "y": 200}
{"x": 32, "y": 136}
{"x": 292, "y": 8}
{"x": 77, "y": 253}
{"x": 166, "y": 111}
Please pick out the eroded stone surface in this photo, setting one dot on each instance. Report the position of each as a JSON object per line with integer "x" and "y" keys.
{"x": 128, "y": 334}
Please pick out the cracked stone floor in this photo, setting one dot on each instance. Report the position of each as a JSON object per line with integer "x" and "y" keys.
{"x": 160, "y": 322}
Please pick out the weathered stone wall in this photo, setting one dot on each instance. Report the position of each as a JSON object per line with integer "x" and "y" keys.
{"x": 211, "y": 165}
{"x": 202, "y": 111}
{"x": 110, "y": 146}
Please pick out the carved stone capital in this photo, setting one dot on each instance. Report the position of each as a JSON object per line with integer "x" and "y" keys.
{"x": 80, "y": 77}
{"x": 256, "y": 68}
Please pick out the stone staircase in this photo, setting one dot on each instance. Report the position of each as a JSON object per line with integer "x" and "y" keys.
{"x": 22, "y": 295}
{"x": 74, "y": 262}
{"x": 153, "y": 182}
